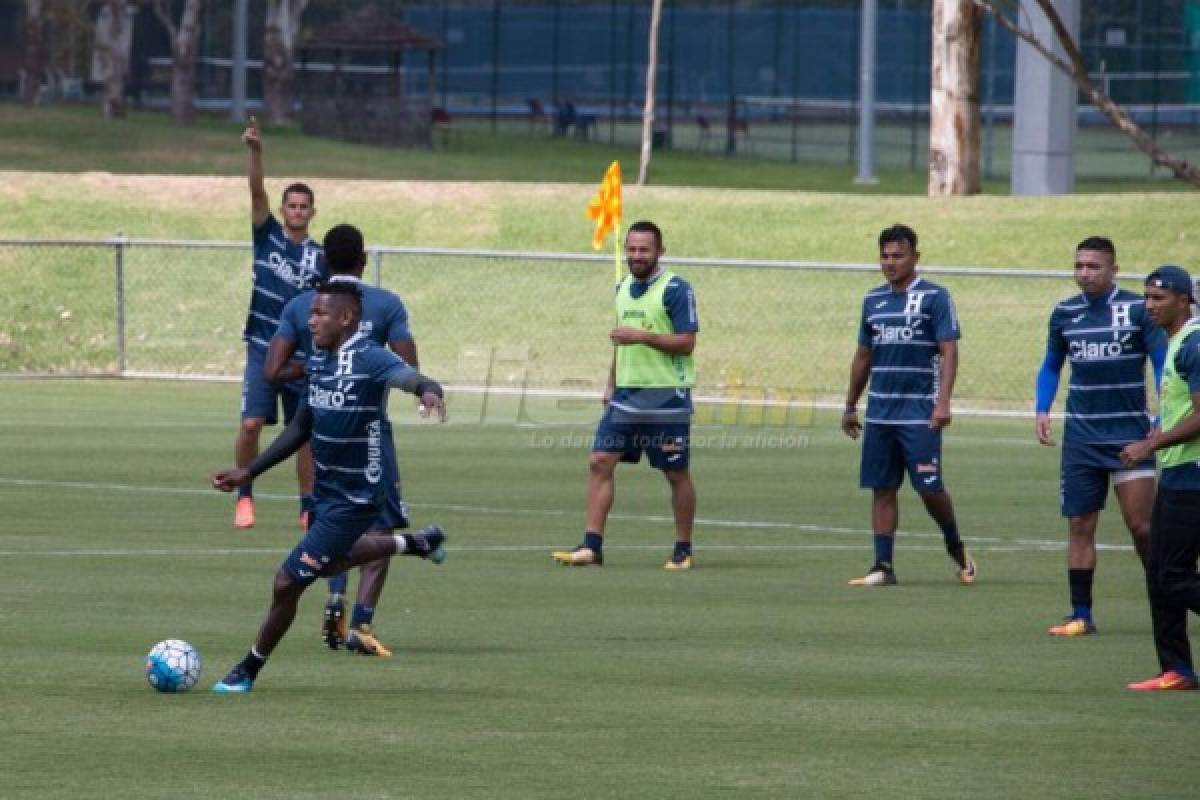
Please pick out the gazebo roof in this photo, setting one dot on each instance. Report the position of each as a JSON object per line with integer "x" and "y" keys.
{"x": 369, "y": 29}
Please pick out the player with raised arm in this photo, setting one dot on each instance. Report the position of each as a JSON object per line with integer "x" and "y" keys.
{"x": 1106, "y": 334}
{"x": 908, "y": 349}
{"x": 1171, "y": 576}
{"x": 286, "y": 262}
{"x": 648, "y": 400}
{"x": 385, "y": 322}
{"x": 349, "y": 378}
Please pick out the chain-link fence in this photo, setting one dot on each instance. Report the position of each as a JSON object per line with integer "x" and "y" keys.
{"x": 537, "y": 323}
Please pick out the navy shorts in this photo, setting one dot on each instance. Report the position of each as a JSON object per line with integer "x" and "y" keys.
{"x": 332, "y": 531}
{"x": 260, "y": 397}
{"x": 667, "y": 445}
{"x": 1086, "y": 467}
{"x": 889, "y": 450}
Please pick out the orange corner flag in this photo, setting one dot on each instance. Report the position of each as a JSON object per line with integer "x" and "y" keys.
{"x": 605, "y": 208}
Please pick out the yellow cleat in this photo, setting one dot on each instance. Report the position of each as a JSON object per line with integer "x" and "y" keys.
{"x": 579, "y": 557}
{"x": 1166, "y": 682}
{"x": 879, "y": 575}
{"x": 362, "y": 641}
{"x": 1073, "y": 626}
{"x": 966, "y": 575}
{"x": 683, "y": 563}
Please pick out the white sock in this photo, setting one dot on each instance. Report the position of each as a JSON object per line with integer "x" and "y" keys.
{"x": 401, "y": 543}
{"x": 256, "y": 654}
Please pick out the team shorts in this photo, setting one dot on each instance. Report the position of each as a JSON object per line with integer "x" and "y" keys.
{"x": 333, "y": 529}
{"x": 1086, "y": 467}
{"x": 667, "y": 445}
{"x": 889, "y": 450}
{"x": 261, "y": 398}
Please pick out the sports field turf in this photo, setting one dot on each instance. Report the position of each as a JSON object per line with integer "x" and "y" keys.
{"x": 758, "y": 674}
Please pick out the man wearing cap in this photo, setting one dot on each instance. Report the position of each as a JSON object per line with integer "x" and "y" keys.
{"x": 1171, "y": 576}
{"x": 1106, "y": 335}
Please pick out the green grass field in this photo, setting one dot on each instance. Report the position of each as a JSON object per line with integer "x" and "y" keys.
{"x": 758, "y": 674}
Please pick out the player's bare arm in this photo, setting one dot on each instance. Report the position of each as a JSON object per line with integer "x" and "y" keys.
{"x": 279, "y": 366}
{"x": 942, "y": 414}
{"x": 1185, "y": 431}
{"x": 260, "y": 204}
{"x": 860, "y": 371}
{"x": 677, "y": 344}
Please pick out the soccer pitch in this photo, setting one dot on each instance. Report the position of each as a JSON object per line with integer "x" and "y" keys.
{"x": 758, "y": 674}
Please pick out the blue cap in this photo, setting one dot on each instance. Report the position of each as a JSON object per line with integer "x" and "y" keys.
{"x": 1171, "y": 277}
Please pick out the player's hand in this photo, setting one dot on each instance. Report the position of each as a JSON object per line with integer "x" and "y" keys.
{"x": 252, "y": 136}
{"x": 227, "y": 480}
{"x": 1134, "y": 453}
{"x": 1041, "y": 426}
{"x": 430, "y": 404}
{"x": 941, "y": 417}
{"x": 628, "y": 335}
{"x": 850, "y": 424}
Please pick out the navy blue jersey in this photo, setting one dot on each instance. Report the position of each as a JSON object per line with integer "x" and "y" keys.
{"x": 679, "y": 299}
{"x": 347, "y": 392}
{"x": 282, "y": 269}
{"x": 1107, "y": 340}
{"x": 903, "y": 330}
{"x": 384, "y": 319}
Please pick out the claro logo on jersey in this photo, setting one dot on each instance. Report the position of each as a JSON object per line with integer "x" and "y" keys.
{"x": 319, "y": 397}
{"x": 890, "y": 334}
{"x": 374, "y": 470}
{"x": 297, "y": 276}
{"x": 1092, "y": 351}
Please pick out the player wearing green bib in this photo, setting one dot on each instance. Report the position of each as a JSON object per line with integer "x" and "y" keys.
{"x": 648, "y": 399}
{"x": 1171, "y": 576}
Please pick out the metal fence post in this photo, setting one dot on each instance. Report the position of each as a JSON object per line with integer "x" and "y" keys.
{"x": 378, "y": 260}
{"x": 119, "y": 244}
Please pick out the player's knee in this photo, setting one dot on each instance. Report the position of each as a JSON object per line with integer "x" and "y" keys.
{"x": 285, "y": 588}
{"x": 601, "y": 464}
{"x": 252, "y": 425}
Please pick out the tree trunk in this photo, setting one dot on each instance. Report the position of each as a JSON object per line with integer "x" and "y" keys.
{"x": 279, "y": 43}
{"x": 651, "y": 82}
{"x": 185, "y": 47}
{"x": 34, "y": 62}
{"x": 954, "y": 100}
{"x": 110, "y": 63}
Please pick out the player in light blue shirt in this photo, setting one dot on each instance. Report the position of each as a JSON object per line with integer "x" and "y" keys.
{"x": 908, "y": 349}
{"x": 286, "y": 262}
{"x": 385, "y": 322}
{"x": 1106, "y": 334}
{"x": 349, "y": 378}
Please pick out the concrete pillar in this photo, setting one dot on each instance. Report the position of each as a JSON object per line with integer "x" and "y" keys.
{"x": 1044, "y": 109}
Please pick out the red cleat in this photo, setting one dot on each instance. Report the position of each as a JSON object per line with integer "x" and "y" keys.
{"x": 243, "y": 513}
{"x": 1169, "y": 681}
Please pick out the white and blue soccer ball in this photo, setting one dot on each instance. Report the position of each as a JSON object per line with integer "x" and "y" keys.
{"x": 173, "y": 665}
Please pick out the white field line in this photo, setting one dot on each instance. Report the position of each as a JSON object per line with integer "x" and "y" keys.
{"x": 979, "y": 542}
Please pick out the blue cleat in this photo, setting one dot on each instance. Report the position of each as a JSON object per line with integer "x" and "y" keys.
{"x": 427, "y": 544}
{"x": 236, "y": 682}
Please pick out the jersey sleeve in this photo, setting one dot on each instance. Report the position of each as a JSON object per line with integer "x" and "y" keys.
{"x": 1187, "y": 361}
{"x": 680, "y": 301}
{"x": 260, "y": 233}
{"x": 865, "y": 334}
{"x": 289, "y": 320}
{"x": 386, "y": 367}
{"x": 944, "y": 317}
{"x": 397, "y": 322}
{"x": 1056, "y": 345}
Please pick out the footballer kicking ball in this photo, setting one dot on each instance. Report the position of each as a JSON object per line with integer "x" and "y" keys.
{"x": 173, "y": 666}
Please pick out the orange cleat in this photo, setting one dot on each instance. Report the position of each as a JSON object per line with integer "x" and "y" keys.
{"x": 1169, "y": 681}
{"x": 243, "y": 513}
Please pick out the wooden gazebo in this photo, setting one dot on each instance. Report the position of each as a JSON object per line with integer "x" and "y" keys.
{"x": 354, "y": 84}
